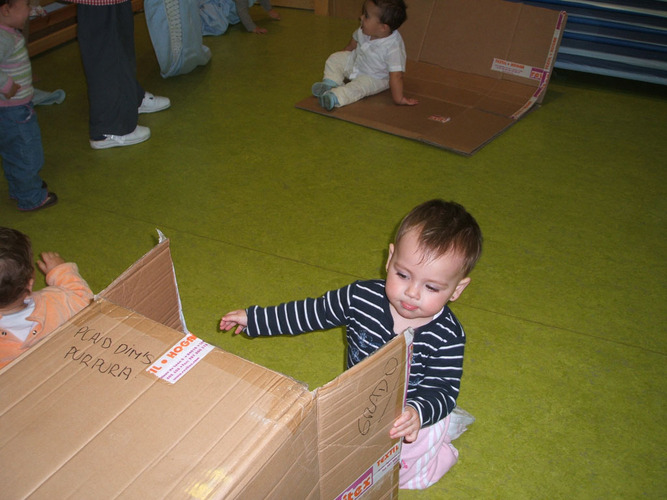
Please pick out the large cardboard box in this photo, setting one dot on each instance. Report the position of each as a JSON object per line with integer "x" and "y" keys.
{"x": 476, "y": 66}
{"x": 124, "y": 402}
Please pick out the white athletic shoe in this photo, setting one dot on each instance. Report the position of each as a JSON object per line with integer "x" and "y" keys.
{"x": 140, "y": 134}
{"x": 153, "y": 103}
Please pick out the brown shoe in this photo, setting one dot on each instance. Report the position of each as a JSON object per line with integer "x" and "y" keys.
{"x": 51, "y": 199}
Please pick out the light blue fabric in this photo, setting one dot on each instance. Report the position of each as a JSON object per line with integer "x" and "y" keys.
{"x": 44, "y": 98}
{"x": 175, "y": 28}
{"x": 217, "y": 15}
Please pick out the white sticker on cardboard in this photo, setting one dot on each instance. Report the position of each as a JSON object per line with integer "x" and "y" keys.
{"x": 517, "y": 69}
{"x": 180, "y": 359}
{"x": 439, "y": 118}
{"x": 373, "y": 475}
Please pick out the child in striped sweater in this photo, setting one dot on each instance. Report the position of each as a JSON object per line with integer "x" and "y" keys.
{"x": 435, "y": 248}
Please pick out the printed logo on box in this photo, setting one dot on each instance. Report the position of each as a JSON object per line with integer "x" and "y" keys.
{"x": 373, "y": 475}
{"x": 180, "y": 359}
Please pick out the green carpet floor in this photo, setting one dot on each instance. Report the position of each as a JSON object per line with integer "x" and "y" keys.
{"x": 565, "y": 316}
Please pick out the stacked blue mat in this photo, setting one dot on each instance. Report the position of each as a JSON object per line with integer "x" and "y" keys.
{"x": 621, "y": 38}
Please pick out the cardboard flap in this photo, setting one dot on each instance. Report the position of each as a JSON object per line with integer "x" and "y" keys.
{"x": 374, "y": 390}
{"x": 149, "y": 288}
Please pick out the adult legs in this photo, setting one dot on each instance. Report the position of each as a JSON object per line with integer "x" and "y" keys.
{"x": 106, "y": 40}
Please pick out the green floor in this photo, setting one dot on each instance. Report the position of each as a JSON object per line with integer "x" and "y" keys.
{"x": 565, "y": 364}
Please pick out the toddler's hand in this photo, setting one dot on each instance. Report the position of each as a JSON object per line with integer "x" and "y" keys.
{"x": 238, "y": 319}
{"x": 260, "y": 31}
{"x": 12, "y": 91}
{"x": 407, "y": 101}
{"x": 49, "y": 260}
{"x": 273, "y": 14}
{"x": 406, "y": 426}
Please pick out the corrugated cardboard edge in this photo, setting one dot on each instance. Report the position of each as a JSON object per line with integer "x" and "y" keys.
{"x": 548, "y": 67}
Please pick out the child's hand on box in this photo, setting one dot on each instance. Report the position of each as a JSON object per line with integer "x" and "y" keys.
{"x": 49, "y": 261}
{"x": 238, "y": 319}
{"x": 406, "y": 426}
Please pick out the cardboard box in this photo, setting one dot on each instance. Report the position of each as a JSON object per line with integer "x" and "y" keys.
{"x": 124, "y": 402}
{"x": 476, "y": 66}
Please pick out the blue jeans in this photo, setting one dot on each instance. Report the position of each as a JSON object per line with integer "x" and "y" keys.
{"x": 22, "y": 155}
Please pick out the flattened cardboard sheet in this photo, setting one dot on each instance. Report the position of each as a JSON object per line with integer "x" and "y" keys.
{"x": 476, "y": 66}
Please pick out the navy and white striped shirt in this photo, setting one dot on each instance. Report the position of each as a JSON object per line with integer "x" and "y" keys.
{"x": 362, "y": 307}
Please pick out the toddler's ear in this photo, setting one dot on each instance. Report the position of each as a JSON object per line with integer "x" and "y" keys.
{"x": 391, "y": 252}
{"x": 30, "y": 284}
{"x": 459, "y": 288}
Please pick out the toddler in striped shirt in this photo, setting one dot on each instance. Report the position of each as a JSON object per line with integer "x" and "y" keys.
{"x": 436, "y": 246}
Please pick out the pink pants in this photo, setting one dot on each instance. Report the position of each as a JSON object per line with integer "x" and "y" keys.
{"x": 426, "y": 460}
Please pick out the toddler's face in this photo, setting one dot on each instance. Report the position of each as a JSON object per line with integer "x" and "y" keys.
{"x": 18, "y": 13}
{"x": 417, "y": 288}
{"x": 370, "y": 21}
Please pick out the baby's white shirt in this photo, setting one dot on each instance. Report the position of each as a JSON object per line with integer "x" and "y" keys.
{"x": 17, "y": 323}
{"x": 377, "y": 58}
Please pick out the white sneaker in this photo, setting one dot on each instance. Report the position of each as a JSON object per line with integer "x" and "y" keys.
{"x": 153, "y": 103}
{"x": 140, "y": 134}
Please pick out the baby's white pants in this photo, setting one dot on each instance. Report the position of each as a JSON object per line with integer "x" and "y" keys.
{"x": 338, "y": 67}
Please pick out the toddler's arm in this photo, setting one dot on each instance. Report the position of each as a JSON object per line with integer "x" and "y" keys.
{"x": 246, "y": 19}
{"x": 396, "y": 86}
{"x": 65, "y": 283}
{"x": 238, "y": 319}
{"x": 406, "y": 426}
{"x": 351, "y": 45}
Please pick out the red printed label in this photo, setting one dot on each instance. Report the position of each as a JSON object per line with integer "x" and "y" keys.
{"x": 180, "y": 359}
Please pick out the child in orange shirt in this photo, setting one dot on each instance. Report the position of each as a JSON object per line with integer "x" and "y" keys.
{"x": 26, "y": 317}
